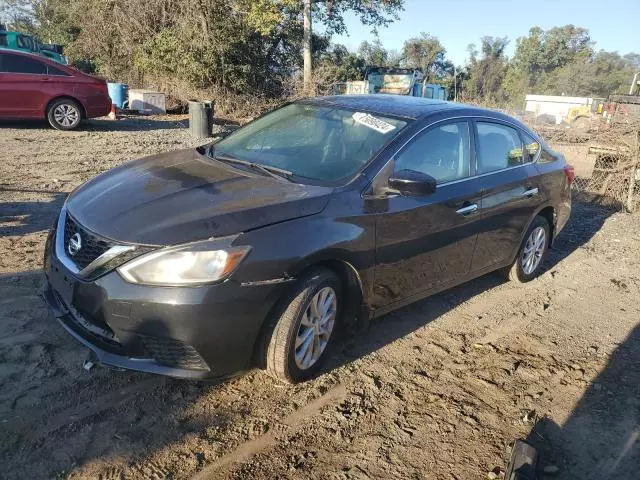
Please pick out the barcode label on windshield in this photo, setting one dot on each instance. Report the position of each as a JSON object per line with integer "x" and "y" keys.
{"x": 370, "y": 121}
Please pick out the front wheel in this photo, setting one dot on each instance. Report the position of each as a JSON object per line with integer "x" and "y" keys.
{"x": 64, "y": 114}
{"x": 303, "y": 328}
{"x": 528, "y": 262}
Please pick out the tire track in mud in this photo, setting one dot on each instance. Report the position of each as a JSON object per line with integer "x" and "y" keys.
{"x": 38, "y": 425}
{"x": 291, "y": 423}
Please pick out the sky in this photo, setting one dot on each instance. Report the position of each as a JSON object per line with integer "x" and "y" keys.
{"x": 613, "y": 24}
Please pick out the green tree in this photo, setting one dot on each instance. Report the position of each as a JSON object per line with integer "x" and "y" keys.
{"x": 602, "y": 75}
{"x": 633, "y": 59}
{"x": 486, "y": 73}
{"x": 17, "y": 15}
{"x": 427, "y": 54}
{"x": 346, "y": 65}
{"x": 373, "y": 53}
{"x": 541, "y": 54}
{"x": 246, "y": 46}
{"x": 267, "y": 14}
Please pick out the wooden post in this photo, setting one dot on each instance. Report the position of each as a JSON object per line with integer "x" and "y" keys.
{"x": 635, "y": 155}
{"x": 307, "y": 48}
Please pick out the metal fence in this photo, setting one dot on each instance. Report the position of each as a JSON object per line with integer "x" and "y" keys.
{"x": 606, "y": 161}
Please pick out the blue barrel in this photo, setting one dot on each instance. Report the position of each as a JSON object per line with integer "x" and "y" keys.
{"x": 118, "y": 93}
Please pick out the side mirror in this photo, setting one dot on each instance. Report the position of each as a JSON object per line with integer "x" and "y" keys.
{"x": 410, "y": 182}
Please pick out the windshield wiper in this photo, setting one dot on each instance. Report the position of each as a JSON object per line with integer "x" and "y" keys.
{"x": 274, "y": 172}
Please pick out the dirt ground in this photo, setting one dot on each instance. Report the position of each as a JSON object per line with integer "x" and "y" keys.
{"x": 437, "y": 390}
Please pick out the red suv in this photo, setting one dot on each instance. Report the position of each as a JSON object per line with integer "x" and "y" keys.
{"x": 34, "y": 87}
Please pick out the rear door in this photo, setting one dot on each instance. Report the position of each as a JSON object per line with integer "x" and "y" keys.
{"x": 424, "y": 242}
{"x": 512, "y": 192}
{"x": 23, "y": 86}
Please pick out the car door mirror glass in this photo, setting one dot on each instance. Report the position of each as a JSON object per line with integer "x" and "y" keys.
{"x": 411, "y": 182}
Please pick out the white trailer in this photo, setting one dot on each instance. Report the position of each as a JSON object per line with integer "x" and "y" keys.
{"x": 554, "y": 107}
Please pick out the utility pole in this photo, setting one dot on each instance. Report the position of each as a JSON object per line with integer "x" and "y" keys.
{"x": 306, "y": 39}
{"x": 455, "y": 84}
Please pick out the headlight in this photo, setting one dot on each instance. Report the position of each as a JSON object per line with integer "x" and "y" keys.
{"x": 192, "y": 264}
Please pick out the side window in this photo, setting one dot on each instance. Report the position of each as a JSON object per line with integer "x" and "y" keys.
{"x": 24, "y": 42}
{"x": 442, "y": 152}
{"x": 22, "y": 64}
{"x": 3, "y": 40}
{"x": 531, "y": 146}
{"x": 546, "y": 157}
{"x": 56, "y": 71}
{"x": 499, "y": 147}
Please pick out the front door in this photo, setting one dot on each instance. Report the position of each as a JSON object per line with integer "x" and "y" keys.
{"x": 23, "y": 86}
{"x": 424, "y": 242}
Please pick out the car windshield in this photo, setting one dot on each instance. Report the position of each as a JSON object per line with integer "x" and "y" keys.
{"x": 316, "y": 142}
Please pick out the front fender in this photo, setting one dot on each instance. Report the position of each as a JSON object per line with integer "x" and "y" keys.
{"x": 284, "y": 250}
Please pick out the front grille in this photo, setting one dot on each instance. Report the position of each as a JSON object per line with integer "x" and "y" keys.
{"x": 92, "y": 245}
{"x": 173, "y": 353}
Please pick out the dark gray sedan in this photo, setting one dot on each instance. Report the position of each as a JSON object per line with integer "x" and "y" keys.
{"x": 252, "y": 251}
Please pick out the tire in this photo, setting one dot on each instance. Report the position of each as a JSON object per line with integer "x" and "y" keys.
{"x": 521, "y": 271}
{"x": 581, "y": 124}
{"x": 64, "y": 114}
{"x": 282, "y": 359}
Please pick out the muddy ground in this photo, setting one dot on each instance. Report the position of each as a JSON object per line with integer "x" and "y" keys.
{"x": 437, "y": 390}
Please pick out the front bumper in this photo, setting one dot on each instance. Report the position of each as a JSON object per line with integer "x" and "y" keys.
{"x": 199, "y": 332}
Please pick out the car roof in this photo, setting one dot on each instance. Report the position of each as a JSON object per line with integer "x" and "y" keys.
{"x": 404, "y": 106}
{"x": 384, "y": 104}
{"x": 29, "y": 54}
{"x": 46, "y": 60}
{"x": 19, "y": 52}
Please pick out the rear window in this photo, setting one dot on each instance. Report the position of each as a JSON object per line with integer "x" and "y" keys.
{"x": 499, "y": 147}
{"x": 531, "y": 146}
{"x": 20, "y": 64}
{"x": 25, "y": 42}
{"x": 546, "y": 157}
{"x": 51, "y": 70}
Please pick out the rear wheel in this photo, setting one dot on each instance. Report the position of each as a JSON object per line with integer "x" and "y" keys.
{"x": 303, "y": 328}
{"x": 581, "y": 124}
{"x": 528, "y": 262}
{"x": 64, "y": 114}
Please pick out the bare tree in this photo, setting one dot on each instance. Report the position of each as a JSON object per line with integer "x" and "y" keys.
{"x": 17, "y": 15}
{"x": 307, "y": 47}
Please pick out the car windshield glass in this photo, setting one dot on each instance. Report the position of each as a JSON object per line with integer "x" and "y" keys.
{"x": 316, "y": 142}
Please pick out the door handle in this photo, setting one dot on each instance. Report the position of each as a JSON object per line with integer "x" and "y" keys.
{"x": 530, "y": 193}
{"x": 468, "y": 209}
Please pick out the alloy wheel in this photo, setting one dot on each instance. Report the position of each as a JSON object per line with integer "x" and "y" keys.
{"x": 66, "y": 115}
{"x": 315, "y": 328}
{"x": 533, "y": 250}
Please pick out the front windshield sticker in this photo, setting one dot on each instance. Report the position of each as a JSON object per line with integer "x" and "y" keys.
{"x": 370, "y": 121}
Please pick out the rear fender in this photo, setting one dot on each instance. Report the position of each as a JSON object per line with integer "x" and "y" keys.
{"x": 60, "y": 97}
{"x": 528, "y": 224}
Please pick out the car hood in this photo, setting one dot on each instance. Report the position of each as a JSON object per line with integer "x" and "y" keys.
{"x": 183, "y": 196}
